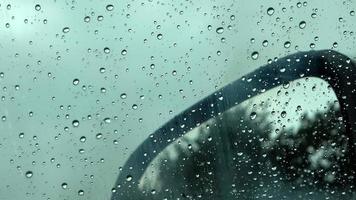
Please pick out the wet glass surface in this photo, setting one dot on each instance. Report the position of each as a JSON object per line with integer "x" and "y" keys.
{"x": 83, "y": 85}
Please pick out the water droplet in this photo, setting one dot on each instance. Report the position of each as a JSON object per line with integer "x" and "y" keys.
{"x": 21, "y": 135}
{"x": 220, "y": 30}
{"x": 64, "y": 185}
{"x": 102, "y": 70}
{"x": 312, "y": 45}
{"x": 65, "y": 30}
{"x": 352, "y": 13}
{"x": 75, "y": 123}
{"x": 37, "y": 7}
{"x": 254, "y": 55}
{"x": 335, "y": 44}
{"x": 106, "y": 50}
{"x": 86, "y": 19}
{"x": 134, "y": 106}
{"x": 270, "y": 11}
{"x": 81, "y": 192}
{"x": 283, "y": 114}
{"x": 99, "y": 136}
{"x": 100, "y": 18}
{"x": 299, "y": 108}
{"x": 253, "y": 115}
{"x": 82, "y": 139}
{"x": 159, "y": 36}
{"x": 109, "y": 7}
{"x": 128, "y": 178}
{"x": 302, "y": 24}
{"x": 265, "y": 43}
{"x": 75, "y": 81}
{"x": 123, "y": 96}
{"x": 287, "y": 44}
{"x": 81, "y": 151}
{"x": 286, "y": 85}
{"x": 123, "y": 52}
{"x": 29, "y": 174}
{"x": 107, "y": 120}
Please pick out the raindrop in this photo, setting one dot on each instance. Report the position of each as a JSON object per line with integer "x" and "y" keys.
{"x": 86, "y": 19}
{"x": 265, "y": 43}
{"x": 21, "y": 135}
{"x": 37, "y": 7}
{"x": 109, "y": 7}
{"x": 75, "y": 123}
{"x": 253, "y": 115}
{"x": 106, "y": 50}
{"x": 103, "y": 90}
{"x": 283, "y": 114}
{"x": 81, "y": 151}
{"x": 299, "y": 108}
{"x": 159, "y": 36}
{"x": 100, "y": 18}
{"x": 64, "y": 185}
{"x": 29, "y": 174}
{"x": 134, "y": 106}
{"x": 312, "y": 45}
{"x": 286, "y": 85}
{"x": 287, "y": 44}
{"x": 81, "y": 192}
{"x": 128, "y": 178}
{"x": 82, "y": 139}
{"x": 270, "y": 11}
{"x": 107, "y": 120}
{"x": 123, "y": 52}
{"x": 99, "y": 136}
{"x": 102, "y": 70}
{"x": 75, "y": 81}
{"x": 65, "y": 30}
{"x": 220, "y": 30}
{"x": 123, "y": 96}
{"x": 302, "y": 24}
{"x": 335, "y": 44}
{"x": 254, "y": 55}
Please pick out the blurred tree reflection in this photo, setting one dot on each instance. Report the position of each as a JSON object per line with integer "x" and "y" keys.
{"x": 235, "y": 157}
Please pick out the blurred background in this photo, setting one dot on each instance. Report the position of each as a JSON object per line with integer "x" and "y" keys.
{"x": 83, "y": 83}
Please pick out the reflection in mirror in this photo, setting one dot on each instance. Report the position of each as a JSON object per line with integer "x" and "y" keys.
{"x": 283, "y": 144}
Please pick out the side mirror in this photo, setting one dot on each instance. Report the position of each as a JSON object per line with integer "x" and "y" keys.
{"x": 335, "y": 68}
